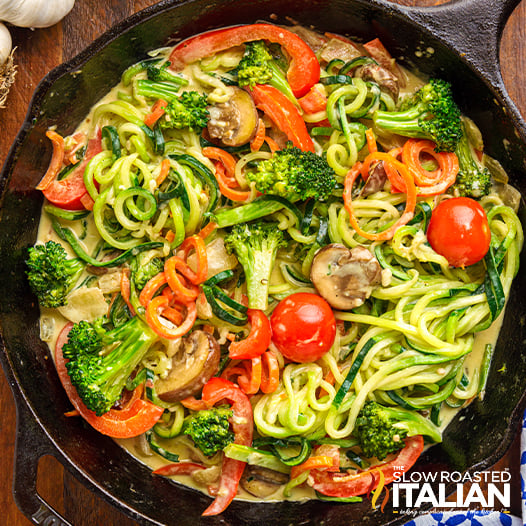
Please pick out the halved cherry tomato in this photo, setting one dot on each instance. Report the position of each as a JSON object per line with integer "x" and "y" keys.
{"x": 344, "y": 485}
{"x": 69, "y": 193}
{"x": 303, "y": 327}
{"x": 304, "y": 68}
{"x": 459, "y": 231}
{"x": 132, "y": 421}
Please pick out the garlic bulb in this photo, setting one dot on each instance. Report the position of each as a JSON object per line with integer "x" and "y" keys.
{"x": 34, "y": 13}
{"x": 7, "y": 67}
{"x": 5, "y": 44}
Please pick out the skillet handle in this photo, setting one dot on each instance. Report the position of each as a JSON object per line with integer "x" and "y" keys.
{"x": 30, "y": 446}
{"x": 473, "y": 28}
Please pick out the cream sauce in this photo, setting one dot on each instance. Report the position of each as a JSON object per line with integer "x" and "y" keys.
{"x": 52, "y": 323}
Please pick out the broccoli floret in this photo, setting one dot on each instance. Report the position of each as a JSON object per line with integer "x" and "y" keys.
{"x": 294, "y": 174}
{"x": 100, "y": 360}
{"x": 52, "y": 274}
{"x": 381, "y": 430}
{"x": 256, "y": 245}
{"x": 258, "y": 66}
{"x": 189, "y": 110}
{"x": 254, "y": 68}
{"x": 430, "y": 114}
{"x": 209, "y": 429}
{"x": 147, "y": 270}
{"x": 473, "y": 179}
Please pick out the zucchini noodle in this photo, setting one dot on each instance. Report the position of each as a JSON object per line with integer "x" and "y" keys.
{"x": 156, "y": 195}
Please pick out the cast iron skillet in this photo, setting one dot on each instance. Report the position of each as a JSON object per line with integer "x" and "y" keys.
{"x": 465, "y": 37}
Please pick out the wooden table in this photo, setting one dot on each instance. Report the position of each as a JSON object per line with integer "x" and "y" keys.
{"x": 37, "y": 53}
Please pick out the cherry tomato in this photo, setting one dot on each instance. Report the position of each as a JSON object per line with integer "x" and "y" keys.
{"x": 459, "y": 231}
{"x": 303, "y": 327}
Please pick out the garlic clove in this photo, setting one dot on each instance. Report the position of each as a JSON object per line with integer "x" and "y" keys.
{"x": 34, "y": 13}
{"x": 5, "y": 44}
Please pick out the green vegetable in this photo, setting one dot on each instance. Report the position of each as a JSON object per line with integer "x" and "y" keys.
{"x": 295, "y": 175}
{"x": 189, "y": 110}
{"x": 154, "y": 446}
{"x": 473, "y": 179}
{"x": 256, "y": 245}
{"x": 430, "y": 114}
{"x": 353, "y": 371}
{"x": 209, "y": 429}
{"x": 70, "y": 237}
{"x": 51, "y": 274}
{"x": 161, "y": 74}
{"x": 146, "y": 268}
{"x": 261, "y": 207}
{"x": 258, "y": 66}
{"x": 101, "y": 360}
{"x": 381, "y": 430}
{"x": 255, "y": 457}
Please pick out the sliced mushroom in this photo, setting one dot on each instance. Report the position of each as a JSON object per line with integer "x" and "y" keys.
{"x": 375, "y": 181}
{"x": 194, "y": 363}
{"x": 383, "y": 77}
{"x": 345, "y": 278}
{"x": 262, "y": 482}
{"x": 234, "y": 122}
{"x": 336, "y": 48}
{"x": 314, "y": 40}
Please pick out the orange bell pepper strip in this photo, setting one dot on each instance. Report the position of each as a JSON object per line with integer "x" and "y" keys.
{"x": 258, "y": 340}
{"x": 315, "y": 462}
{"x": 430, "y": 182}
{"x": 184, "y": 293}
{"x": 283, "y": 114}
{"x": 407, "y": 215}
{"x": 57, "y": 159}
{"x": 154, "y": 314}
{"x": 314, "y": 101}
{"x": 163, "y": 173}
{"x": 197, "y": 243}
{"x": 225, "y": 168}
{"x": 251, "y": 380}
{"x": 269, "y": 372}
{"x": 158, "y": 110}
{"x": 259, "y": 139}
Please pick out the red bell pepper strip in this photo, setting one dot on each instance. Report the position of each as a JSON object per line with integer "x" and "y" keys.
{"x": 304, "y": 68}
{"x": 215, "y": 390}
{"x": 314, "y": 101}
{"x": 133, "y": 420}
{"x": 258, "y": 340}
{"x": 179, "y": 468}
{"x": 70, "y": 193}
{"x": 284, "y": 115}
{"x": 343, "y": 485}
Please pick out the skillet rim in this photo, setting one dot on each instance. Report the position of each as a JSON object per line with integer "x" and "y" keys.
{"x": 72, "y": 64}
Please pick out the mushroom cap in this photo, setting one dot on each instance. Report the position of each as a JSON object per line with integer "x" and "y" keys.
{"x": 235, "y": 121}
{"x": 194, "y": 363}
{"x": 345, "y": 278}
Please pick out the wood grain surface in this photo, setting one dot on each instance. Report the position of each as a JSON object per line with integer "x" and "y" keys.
{"x": 37, "y": 53}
